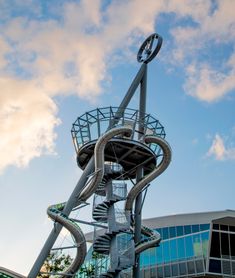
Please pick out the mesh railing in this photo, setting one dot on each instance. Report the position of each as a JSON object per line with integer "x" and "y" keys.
{"x": 91, "y": 125}
{"x": 119, "y": 189}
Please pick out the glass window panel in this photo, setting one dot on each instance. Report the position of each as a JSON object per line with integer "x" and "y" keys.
{"x": 166, "y": 251}
{"x": 153, "y": 272}
{"x": 182, "y": 267}
{"x": 232, "y": 228}
{"x": 187, "y": 229}
{"x": 233, "y": 268}
{"x": 189, "y": 246}
{"x": 159, "y": 254}
{"x": 205, "y": 241}
{"x": 147, "y": 273}
{"x": 232, "y": 245}
{"x": 172, "y": 232}
{"x": 179, "y": 230}
{"x": 173, "y": 249}
{"x": 174, "y": 270}
{"x": 215, "y": 245}
{"x": 144, "y": 258}
{"x": 197, "y": 247}
{"x": 224, "y": 246}
{"x": 215, "y": 266}
{"x": 224, "y": 227}
{"x": 191, "y": 268}
{"x": 216, "y": 226}
{"x": 195, "y": 228}
{"x": 165, "y": 233}
{"x": 226, "y": 268}
{"x": 181, "y": 248}
{"x": 152, "y": 254}
{"x": 160, "y": 272}
{"x": 159, "y": 231}
{"x": 167, "y": 271}
{"x": 199, "y": 266}
{"x": 204, "y": 227}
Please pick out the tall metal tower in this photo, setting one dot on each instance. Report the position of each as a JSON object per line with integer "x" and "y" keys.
{"x": 114, "y": 145}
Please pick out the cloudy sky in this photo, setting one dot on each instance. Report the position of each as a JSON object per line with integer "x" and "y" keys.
{"x": 61, "y": 58}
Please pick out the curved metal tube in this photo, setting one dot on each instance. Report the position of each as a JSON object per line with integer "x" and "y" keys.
{"x": 99, "y": 160}
{"x": 56, "y": 211}
{"x": 10, "y": 273}
{"x": 153, "y": 236}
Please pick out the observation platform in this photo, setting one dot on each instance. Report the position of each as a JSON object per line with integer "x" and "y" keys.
{"x": 130, "y": 152}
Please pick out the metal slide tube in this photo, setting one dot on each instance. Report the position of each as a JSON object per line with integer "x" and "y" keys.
{"x": 155, "y": 173}
{"x": 7, "y": 272}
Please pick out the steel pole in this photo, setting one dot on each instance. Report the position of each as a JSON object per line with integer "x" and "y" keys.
{"x": 140, "y": 172}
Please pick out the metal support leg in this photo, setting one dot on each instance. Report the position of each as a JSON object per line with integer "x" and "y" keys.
{"x": 139, "y": 172}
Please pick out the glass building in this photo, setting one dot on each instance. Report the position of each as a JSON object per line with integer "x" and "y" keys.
{"x": 192, "y": 245}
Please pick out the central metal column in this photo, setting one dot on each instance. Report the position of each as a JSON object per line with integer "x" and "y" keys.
{"x": 139, "y": 172}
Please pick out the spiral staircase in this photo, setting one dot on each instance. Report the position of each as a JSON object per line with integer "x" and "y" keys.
{"x": 105, "y": 211}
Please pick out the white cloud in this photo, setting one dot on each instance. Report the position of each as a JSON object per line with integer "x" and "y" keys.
{"x": 72, "y": 51}
{"x": 219, "y": 150}
{"x": 27, "y": 122}
{"x": 41, "y": 59}
{"x": 214, "y": 28}
{"x": 208, "y": 84}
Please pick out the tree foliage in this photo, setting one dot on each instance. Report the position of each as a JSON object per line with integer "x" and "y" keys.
{"x": 55, "y": 264}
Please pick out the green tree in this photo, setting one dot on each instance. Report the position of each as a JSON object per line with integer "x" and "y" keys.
{"x": 53, "y": 264}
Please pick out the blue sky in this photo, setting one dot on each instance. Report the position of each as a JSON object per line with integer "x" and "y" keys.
{"x": 59, "y": 59}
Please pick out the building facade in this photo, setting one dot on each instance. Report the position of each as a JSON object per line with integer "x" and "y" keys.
{"x": 192, "y": 245}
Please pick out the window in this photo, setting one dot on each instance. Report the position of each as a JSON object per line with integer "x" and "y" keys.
{"x": 174, "y": 269}
{"x": 216, "y": 226}
{"x": 191, "y": 268}
{"x": 204, "y": 227}
{"x": 224, "y": 246}
{"x": 195, "y": 228}
{"x": 215, "y": 245}
{"x": 187, "y": 229}
{"x": 160, "y": 272}
{"x": 226, "y": 267}
{"x": 215, "y": 266}
{"x": 233, "y": 268}
{"x": 199, "y": 266}
{"x": 181, "y": 248}
{"x": 204, "y": 239}
{"x": 224, "y": 227}
{"x": 182, "y": 267}
{"x": 159, "y": 254}
{"x": 167, "y": 271}
{"x": 232, "y": 228}
{"x": 166, "y": 251}
{"x": 172, "y": 232}
{"x": 165, "y": 233}
{"x": 173, "y": 249}
{"x": 179, "y": 230}
{"x": 197, "y": 247}
{"x": 232, "y": 245}
{"x": 189, "y": 246}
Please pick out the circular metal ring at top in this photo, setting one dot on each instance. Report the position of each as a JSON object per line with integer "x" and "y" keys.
{"x": 147, "y": 50}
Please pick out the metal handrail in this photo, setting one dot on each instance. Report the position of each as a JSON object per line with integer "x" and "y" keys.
{"x": 91, "y": 125}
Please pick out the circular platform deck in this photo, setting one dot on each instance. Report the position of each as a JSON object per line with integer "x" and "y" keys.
{"x": 130, "y": 154}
